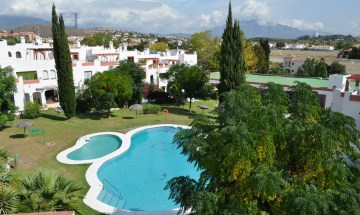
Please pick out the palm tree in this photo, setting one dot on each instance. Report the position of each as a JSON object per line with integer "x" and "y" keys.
{"x": 47, "y": 190}
{"x": 8, "y": 200}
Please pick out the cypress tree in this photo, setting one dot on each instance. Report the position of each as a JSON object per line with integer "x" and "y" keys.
{"x": 63, "y": 66}
{"x": 232, "y": 62}
{"x": 264, "y": 43}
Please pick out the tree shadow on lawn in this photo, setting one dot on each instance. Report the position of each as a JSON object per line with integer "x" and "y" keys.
{"x": 128, "y": 117}
{"x": 95, "y": 115}
{"x": 54, "y": 117}
{"x": 17, "y": 136}
{"x": 5, "y": 127}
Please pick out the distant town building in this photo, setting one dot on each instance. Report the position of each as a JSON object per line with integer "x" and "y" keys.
{"x": 292, "y": 63}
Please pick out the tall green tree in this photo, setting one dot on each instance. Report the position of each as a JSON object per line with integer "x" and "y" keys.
{"x": 63, "y": 65}
{"x": 207, "y": 49}
{"x": 7, "y": 90}
{"x": 251, "y": 58}
{"x": 187, "y": 81}
{"x": 47, "y": 190}
{"x": 261, "y": 65}
{"x": 337, "y": 68}
{"x": 232, "y": 71}
{"x": 308, "y": 68}
{"x": 108, "y": 88}
{"x": 264, "y": 43}
{"x": 256, "y": 159}
{"x": 137, "y": 75}
{"x": 321, "y": 69}
{"x": 159, "y": 46}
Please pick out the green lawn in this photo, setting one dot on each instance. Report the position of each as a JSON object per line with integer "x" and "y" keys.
{"x": 39, "y": 149}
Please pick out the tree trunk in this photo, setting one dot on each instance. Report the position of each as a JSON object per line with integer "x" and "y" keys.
{"x": 109, "y": 112}
{"x": 190, "y": 104}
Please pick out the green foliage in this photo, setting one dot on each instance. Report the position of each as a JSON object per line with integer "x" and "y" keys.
{"x": 63, "y": 65}
{"x": 261, "y": 65}
{"x": 337, "y": 68}
{"x": 280, "y": 44}
{"x": 8, "y": 200}
{"x": 47, "y": 190}
{"x": 151, "y": 109}
{"x": 343, "y": 45}
{"x": 269, "y": 153}
{"x": 186, "y": 81}
{"x": 207, "y": 49}
{"x": 159, "y": 46}
{"x": 232, "y": 71}
{"x": 100, "y": 39}
{"x": 313, "y": 68}
{"x": 31, "y": 110}
{"x": 107, "y": 89}
{"x": 264, "y": 43}
{"x": 7, "y": 89}
{"x": 251, "y": 58}
{"x": 83, "y": 101}
{"x": 137, "y": 74}
{"x": 3, "y": 119}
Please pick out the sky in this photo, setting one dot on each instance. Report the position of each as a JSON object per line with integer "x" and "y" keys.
{"x": 189, "y": 16}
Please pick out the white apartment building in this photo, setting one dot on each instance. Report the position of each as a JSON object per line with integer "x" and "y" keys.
{"x": 36, "y": 77}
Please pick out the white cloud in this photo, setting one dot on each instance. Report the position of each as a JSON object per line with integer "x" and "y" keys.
{"x": 302, "y": 24}
{"x": 213, "y": 19}
{"x": 252, "y": 9}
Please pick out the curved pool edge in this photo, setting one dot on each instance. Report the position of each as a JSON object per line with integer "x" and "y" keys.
{"x": 62, "y": 156}
{"x": 96, "y": 185}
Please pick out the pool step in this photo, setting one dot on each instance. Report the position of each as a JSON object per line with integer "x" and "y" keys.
{"x": 111, "y": 199}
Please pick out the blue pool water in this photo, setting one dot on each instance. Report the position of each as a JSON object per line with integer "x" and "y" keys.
{"x": 140, "y": 175}
{"x": 96, "y": 147}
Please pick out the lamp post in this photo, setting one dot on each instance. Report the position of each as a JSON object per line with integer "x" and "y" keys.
{"x": 183, "y": 98}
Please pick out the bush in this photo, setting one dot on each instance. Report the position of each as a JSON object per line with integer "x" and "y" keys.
{"x": 31, "y": 111}
{"x": 3, "y": 119}
{"x": 83, "y": 102}
{"x": 151, "y": 109}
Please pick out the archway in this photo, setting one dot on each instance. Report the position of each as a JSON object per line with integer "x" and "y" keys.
{"x": 51, "y": 96}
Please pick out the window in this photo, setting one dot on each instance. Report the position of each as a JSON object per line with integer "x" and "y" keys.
{"x": 292, "y": 63}
{"x": 131, "y": 59}
{"x": 87, "y": 74}
{"x": 151, "y": 79}
{"x": 9, "y": 53}
{"x": 45, "y": 75}
{"x": 27, "y": 75}
{"x": 18, "y": 54}
{"x": 52, "y": 74}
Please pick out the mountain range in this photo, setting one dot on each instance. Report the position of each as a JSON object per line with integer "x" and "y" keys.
{"x": 251, "y": 28}
{"x": 256, "y": 28}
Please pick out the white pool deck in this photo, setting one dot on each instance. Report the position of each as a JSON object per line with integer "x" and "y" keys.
{"x": 91, "y": 174}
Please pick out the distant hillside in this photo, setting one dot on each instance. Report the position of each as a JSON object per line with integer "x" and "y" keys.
{"x": 252, "y": 29}
{"x": 45, "y": 30}
{"x": 9, "y": 22}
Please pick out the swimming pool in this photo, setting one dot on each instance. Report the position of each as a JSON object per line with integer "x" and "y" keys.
{"x": 91, "y": 147}
{"x": 96, "y": 147}
{"x": 140, "y": 175}
{"x": 133, "y": 177}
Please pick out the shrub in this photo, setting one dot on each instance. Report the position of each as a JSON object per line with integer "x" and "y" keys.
{"x": 151, "y": 109}
{"x": 31, "y": 111}
{"x": 3, "y": 119}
